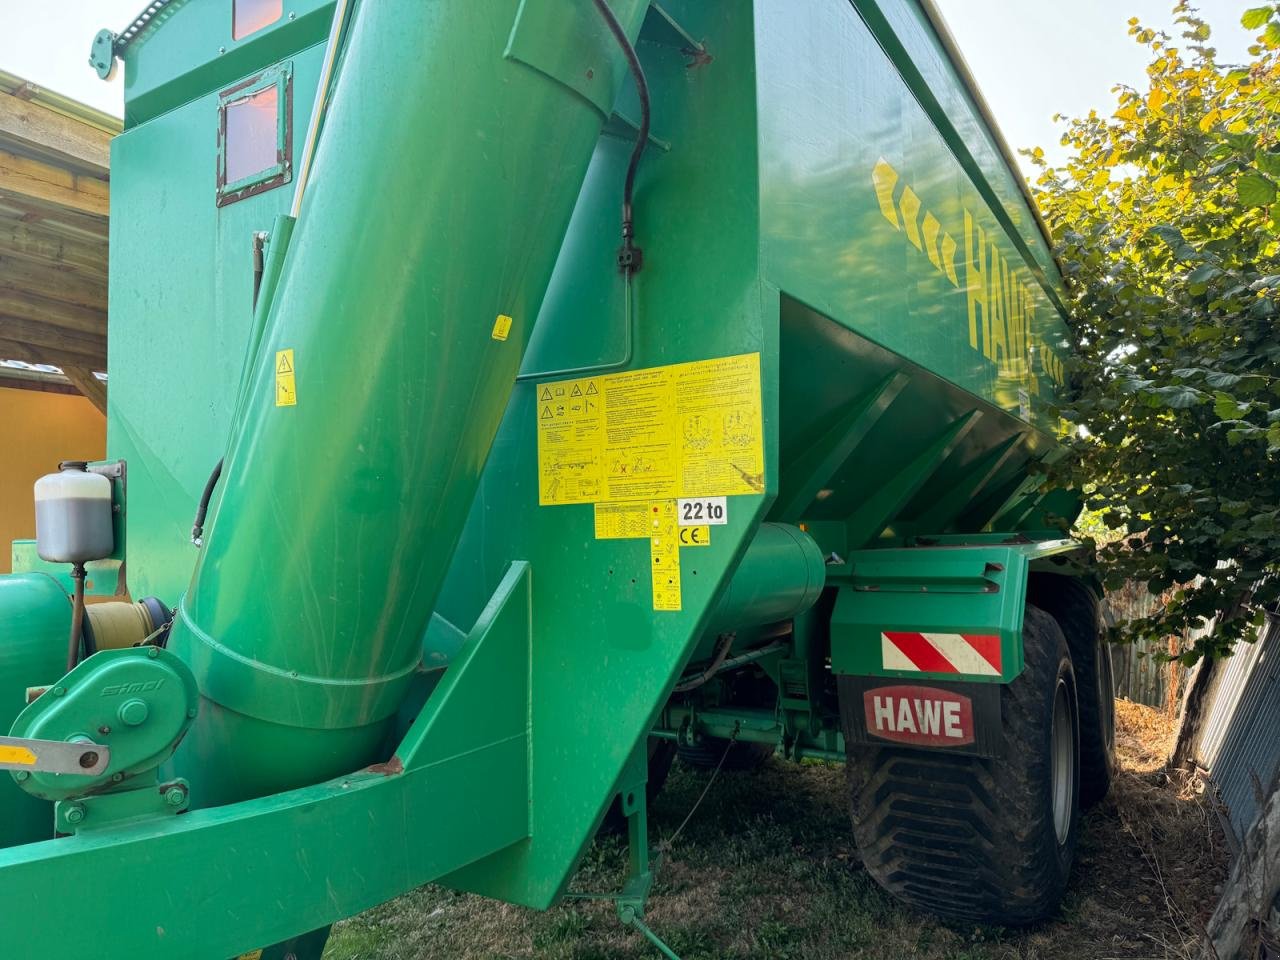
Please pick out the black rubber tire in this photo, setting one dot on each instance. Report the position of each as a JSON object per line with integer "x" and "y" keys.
{"x": 661, "y": 753}
{"x": 1079, "y": 614}
{"x": 972, "y": 838}
{"x": 706, "y": 754}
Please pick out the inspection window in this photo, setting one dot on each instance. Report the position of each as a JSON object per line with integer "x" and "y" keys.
{"x": 250, "y": 16}
{"x": 255, "y": 134}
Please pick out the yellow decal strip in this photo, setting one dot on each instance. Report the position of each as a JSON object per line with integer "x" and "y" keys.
{"x": 286, "y": 379}
{"x": 664, "y": 555}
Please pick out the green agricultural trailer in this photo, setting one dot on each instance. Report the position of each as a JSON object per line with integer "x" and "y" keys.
{"x": 557, "y": 386}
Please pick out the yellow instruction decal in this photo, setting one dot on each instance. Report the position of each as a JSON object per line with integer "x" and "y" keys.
{"x": 689, "y": 429}
{"x": 695, "y": 536}
{"x": 20, "y": 756}
{"x": 251, "y": 955}
{"x": 623, "y": 521}
{"x": 664, "y": 555}
{"x": 286, "y": 382}
{"x": 501, "y": 327}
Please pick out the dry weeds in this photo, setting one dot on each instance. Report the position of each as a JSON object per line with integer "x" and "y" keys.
{"x": 767, "y": 869}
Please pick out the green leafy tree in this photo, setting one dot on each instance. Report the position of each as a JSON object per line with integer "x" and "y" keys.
{"x": 1166, "y": 219}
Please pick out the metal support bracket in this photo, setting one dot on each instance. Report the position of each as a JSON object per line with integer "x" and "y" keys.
{"x": 630, "y": 900}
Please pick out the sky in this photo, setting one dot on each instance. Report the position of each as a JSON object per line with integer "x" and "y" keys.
{"x": 1035, "y": 58}
{"x": 47, "y": 42}
{"x": 1031, "y": 58}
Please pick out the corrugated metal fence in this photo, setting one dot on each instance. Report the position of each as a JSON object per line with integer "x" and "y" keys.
{"x": 1239, "y": 742}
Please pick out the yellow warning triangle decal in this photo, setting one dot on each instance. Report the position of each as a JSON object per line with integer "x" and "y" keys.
{"x": 546, "y": 394}
{"x": 283, "y": 365}
{"x": 546, "y": 413}
{"x": 591, "y": 389}
{"x": 577, "y": 391}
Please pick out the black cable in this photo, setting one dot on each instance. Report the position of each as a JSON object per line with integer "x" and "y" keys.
{"x": 630, "y": 257}
{"x": 197, "y": 528}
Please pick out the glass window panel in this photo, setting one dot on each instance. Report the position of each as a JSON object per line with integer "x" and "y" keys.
{"x": 252, "y": 127}
{"x": 250, "y": 16}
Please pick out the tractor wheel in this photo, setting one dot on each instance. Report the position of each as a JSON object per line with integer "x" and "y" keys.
{"x": 743, "y": 755}
{"x": 977, "y": 839}
{"x": 661, "y": 753}
{"x": 1079, "y": 615}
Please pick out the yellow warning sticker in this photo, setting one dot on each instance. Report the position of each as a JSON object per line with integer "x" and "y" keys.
{"x": 501, "y": 327}
{"x": 19, "y": 755}
{"x": 695, "y": 536}
{"x": 623, "y": 521}
{"x": 251, "y": 955}
{"x": 689, "y": 429}
{"x": 664, "y": 555}
{"x": 286, "y": 379}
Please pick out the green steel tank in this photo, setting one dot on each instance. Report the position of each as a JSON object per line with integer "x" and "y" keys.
{"x": 557, "y": 386}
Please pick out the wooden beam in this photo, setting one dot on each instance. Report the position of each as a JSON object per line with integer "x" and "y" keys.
{"x": 90, "y": 349}
{"x": 94, "y": 390}
{"x": 28, "y": 243}
{"x": 12, "y": 350}
{"x": 60, "y": 221}
{"x": 24, "y": 177}
{"x": 39, "y": 386}
{"x": 53, "y": 282}
{"x": 57, "y": 137}
{"x": 20, "y": 305}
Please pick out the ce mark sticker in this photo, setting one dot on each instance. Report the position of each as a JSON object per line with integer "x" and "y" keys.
{"x": 695, "y": 536}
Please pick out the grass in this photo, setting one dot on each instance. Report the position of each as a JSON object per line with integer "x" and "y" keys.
{"x": 767, "y": 870}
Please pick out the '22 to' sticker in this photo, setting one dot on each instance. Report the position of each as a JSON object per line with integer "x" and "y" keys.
{"x": 702, "y": 511}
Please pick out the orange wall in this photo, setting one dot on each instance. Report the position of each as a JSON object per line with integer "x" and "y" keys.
{"x": 36, "y": 431}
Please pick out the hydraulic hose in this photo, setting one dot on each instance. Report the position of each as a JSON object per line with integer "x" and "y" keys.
{"x": 77, "y": 617}
{"x": 692, "y": 683}
{"x": 630, "y": 257}
{"x": 259, "y": 265}
{"x": 197, "y": 527}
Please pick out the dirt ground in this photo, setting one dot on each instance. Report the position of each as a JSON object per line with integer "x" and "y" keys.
{"x": 766, "y": 868}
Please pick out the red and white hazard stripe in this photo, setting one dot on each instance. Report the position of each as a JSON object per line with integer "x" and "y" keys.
{"x": 977, "y": 654}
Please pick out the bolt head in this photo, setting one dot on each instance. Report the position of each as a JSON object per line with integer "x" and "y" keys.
{"x": 21, "y": 775}
{"x": 133, "y": 713}
{"x": 59, "y": 691}
{"x": 175, "y": 796}
{"x": 74, "y": 814}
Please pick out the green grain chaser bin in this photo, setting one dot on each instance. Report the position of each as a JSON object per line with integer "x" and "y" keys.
{"x": 557, "y": 387}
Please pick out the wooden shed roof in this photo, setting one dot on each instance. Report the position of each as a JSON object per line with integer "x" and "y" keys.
{"x": 54, "y": 161}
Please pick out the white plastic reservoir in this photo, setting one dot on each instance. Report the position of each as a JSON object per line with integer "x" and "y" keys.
{"x": 73, "y": 515}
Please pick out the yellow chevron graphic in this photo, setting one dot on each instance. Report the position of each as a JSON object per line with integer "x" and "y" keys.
{"x": 885, "y": 178}
{"x": 926, "y": 236}
{"x": 1002, "y": 302}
